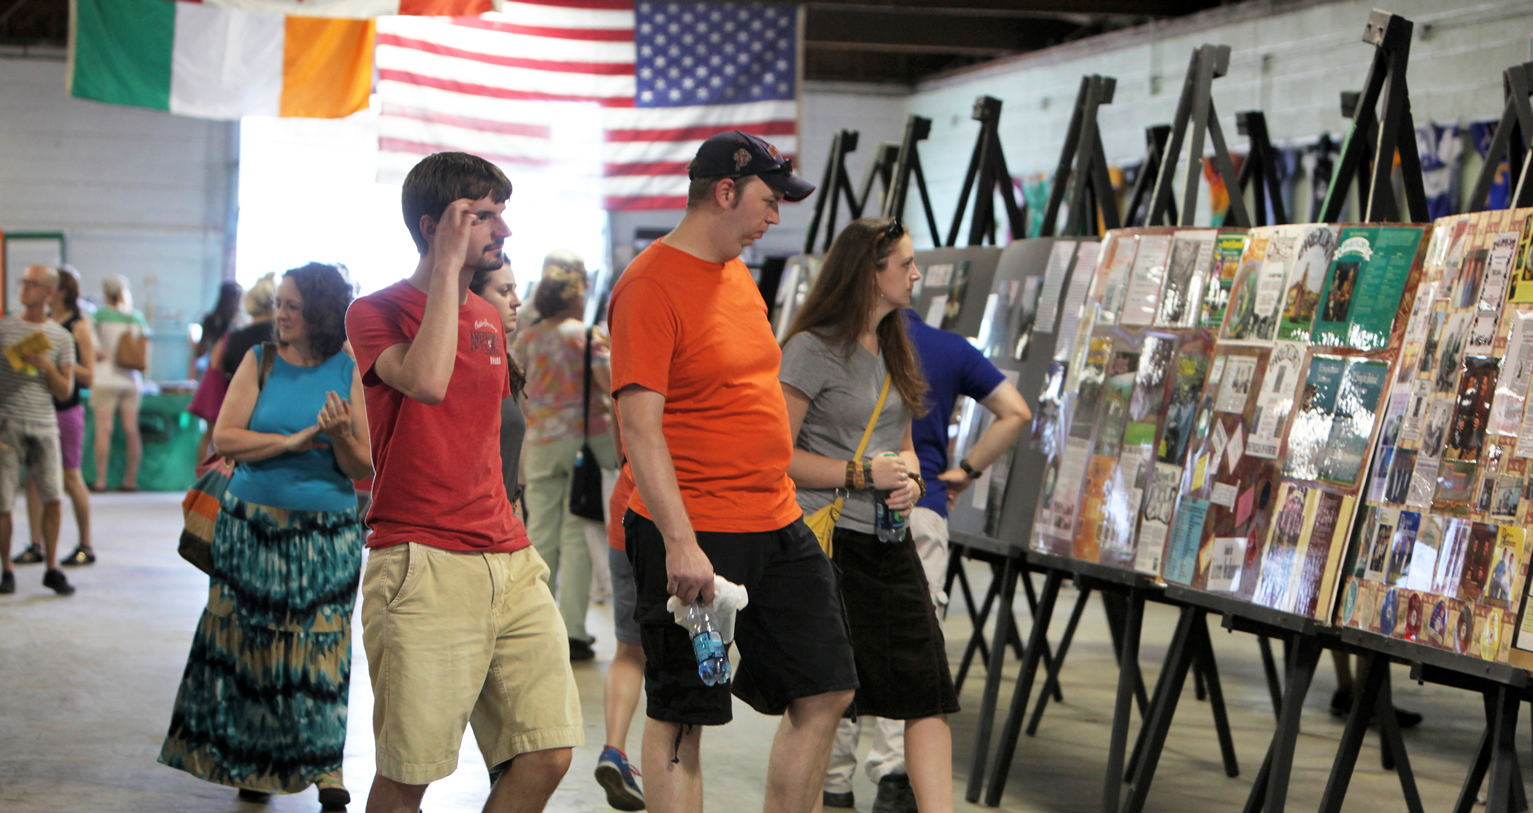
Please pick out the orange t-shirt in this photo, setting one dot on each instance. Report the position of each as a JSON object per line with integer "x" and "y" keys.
{"x": 697, "y": 333}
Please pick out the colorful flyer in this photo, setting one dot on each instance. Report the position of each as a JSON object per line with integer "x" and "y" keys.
{"x": 1216, "y": 299}
{"x": 1364, "y": 286}
{"x": 1314, "y": 413}
{"x": 1187, "y": 271}
{"x": 1301, "y": 301}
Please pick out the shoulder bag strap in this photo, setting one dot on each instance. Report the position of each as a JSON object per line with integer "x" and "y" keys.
{"x": 867, "y": 434}
{"x": 268, "y": 360}
{"x": 585, "y": 392}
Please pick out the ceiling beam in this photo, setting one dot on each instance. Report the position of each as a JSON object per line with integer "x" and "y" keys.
{"x": 979, "y": 36}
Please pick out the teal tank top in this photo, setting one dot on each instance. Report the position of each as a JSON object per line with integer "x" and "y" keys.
{"x": 290, "y": 402}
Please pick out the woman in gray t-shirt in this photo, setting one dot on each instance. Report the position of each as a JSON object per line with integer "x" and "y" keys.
{"x": 845, "y": 340}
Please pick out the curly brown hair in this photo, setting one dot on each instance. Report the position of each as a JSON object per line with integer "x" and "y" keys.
{"x": 327, "y": 293}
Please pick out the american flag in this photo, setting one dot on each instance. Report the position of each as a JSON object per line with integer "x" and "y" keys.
{"x": 664, "y": 77}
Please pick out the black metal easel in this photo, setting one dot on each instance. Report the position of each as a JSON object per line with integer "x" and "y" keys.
{"x": 1369, "y": 149}
{"x": 1196, "y": 109}
{"x": 833, "y": 186}
{"x": 908, "y": 162}
{"x": 1516, "y": 128}
{"x": 988, "y": 166}
{"x": 1259, "y": 173}
{"x": 1083, "y": 166}
{"x": 1155, "y": 138}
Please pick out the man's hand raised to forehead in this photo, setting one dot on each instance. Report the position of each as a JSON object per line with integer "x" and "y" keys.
{"x": 449, "y": 248}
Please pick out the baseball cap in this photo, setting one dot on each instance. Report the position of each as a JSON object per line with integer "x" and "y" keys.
{"x": 735, "y": 155}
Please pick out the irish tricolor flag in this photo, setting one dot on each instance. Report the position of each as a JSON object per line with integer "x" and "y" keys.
{"x": 203, "y": 60}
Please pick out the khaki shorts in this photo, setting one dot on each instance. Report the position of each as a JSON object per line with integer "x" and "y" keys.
{"x": 36, "y": 447}
{"x": 457, "y": 638}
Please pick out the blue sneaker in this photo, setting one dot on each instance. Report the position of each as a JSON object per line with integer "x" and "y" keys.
{"x": 616, "y": 776}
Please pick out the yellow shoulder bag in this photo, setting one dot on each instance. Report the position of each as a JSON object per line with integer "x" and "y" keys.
{"x": 823, "y": 521}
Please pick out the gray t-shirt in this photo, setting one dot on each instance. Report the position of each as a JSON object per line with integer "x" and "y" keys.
{"x": 26, "y": 398}
{"x": 842, "y": 392}
{"x": 513, "y": 428}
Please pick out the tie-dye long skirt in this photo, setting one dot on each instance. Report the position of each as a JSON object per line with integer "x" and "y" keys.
{"x": 262, "y": 703}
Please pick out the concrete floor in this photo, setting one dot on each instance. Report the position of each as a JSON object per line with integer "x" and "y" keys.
{"x": 87, "y": 682}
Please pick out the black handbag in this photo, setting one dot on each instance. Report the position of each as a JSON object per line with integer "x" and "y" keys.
{"x": 585, "y": 483}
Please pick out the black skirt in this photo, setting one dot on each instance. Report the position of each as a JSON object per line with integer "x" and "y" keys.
{"x": 897, "y": 642}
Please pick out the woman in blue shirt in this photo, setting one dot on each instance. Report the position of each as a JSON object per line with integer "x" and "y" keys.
{"x": 262, "y": 704}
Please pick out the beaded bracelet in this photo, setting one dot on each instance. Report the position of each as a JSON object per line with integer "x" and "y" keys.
{"x": 867, "y": 473}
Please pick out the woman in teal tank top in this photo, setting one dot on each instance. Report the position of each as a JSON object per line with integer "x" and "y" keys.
{"x": 262, "y": 704}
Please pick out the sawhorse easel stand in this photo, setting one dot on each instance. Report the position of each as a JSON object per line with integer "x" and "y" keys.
{"x": 1129, "y": 591}
{"x": 1083, "y": 167}
{"x": 990, "y": 552}
{"x": 1259, "y": 172}
{"x": 1513, "y": 139}
{"x": 987, "y": 165}
{"x": 1195, "y": 109}
{"x": 1369, "y": 149}
{"x": 1155, "y": 138}
{"x": 835, "y": 185}
{"x": 907, "y": 163}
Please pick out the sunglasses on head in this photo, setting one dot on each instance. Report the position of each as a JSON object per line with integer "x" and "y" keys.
{"x": 893, "y": 231}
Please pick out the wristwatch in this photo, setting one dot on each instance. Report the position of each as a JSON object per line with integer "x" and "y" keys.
{"x": 970, "y": 470}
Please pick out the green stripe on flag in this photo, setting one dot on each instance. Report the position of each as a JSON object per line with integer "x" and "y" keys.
{"x": 121, "y": 51}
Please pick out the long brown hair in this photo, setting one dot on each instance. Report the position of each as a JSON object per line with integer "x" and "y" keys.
{"x": 843, "y": 295}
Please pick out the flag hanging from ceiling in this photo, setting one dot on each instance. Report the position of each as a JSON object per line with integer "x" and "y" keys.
{"x": 198, "y": 60}
{"x": 360, "y": 9}
{"x": 665, "y": 76}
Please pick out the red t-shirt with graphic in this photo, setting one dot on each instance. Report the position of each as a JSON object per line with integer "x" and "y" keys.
{"x": 438, "y": 479}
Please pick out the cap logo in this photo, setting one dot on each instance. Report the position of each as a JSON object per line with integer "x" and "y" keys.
{"x": 772, "y": 150}
{"x": 742, "y": 157}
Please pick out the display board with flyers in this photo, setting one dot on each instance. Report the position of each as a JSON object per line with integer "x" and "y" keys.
{"x": 1120, "y": 406}
{"x": 1442, "y": 551}
{"x": 1213, "y": 422}
{"x": 1018, "y": 332}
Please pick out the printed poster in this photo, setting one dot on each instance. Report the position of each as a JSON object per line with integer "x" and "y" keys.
{"x": 1365, "y": 284}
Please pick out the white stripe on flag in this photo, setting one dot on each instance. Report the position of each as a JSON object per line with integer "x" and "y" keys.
{"x": 470, "y": 74}
{"x": 559, "y": 17}
{"x": 429, "y": 137}
{"x": 226, "y": 64}
{"x": 723, "y": 116}
{"x": 406, "y": 96}
{"x": 637, "y": 185}
{"x": 445, "y": 33}
{"x": 626, "y": 152}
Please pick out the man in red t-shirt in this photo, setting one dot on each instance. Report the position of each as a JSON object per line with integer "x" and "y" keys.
{"x": 705, "y": 427}
{"x": 457, "y": 619}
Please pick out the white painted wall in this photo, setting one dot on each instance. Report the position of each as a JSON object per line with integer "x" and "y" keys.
{"x": 136, "y": 192}
{"x": 1289, "y": 59}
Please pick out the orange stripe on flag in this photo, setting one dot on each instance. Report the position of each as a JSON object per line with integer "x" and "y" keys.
{"x": 327, "y": 66}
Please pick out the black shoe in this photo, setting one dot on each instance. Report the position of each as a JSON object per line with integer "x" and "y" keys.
{"x": 258, "y": 797}
{"x": 581, "y": 650}
{"x": 54, "y": 580}
{"x": 333, "y": 798}
{"x": 7, "y": 582}
{"x": 895, "y": 795}
{"x": 1407, "y": 719}
{"x": 839, "y": 799}
{"x": 80, "y": 556}
{"x": 1341, "y": 703}
{"x": 31, "y": 556}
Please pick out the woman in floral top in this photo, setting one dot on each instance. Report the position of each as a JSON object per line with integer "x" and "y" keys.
{"x": 552, "y": 351}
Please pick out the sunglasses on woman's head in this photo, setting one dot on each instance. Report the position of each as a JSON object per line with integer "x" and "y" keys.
{"x": 893, "y": 231}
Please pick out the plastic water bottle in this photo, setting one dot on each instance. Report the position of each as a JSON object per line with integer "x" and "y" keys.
{"x": 708, "y": 646}
{"x": 889, "y": 522}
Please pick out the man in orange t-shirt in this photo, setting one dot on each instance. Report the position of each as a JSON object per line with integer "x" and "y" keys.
{"x": 705, "y": 428}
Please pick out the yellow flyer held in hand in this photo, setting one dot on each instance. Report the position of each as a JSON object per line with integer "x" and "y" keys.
{"x": 16, "y": 353}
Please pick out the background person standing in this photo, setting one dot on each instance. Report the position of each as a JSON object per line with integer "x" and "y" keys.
{"x": 553, "y": 351}
{"x": 117, "y": 390}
